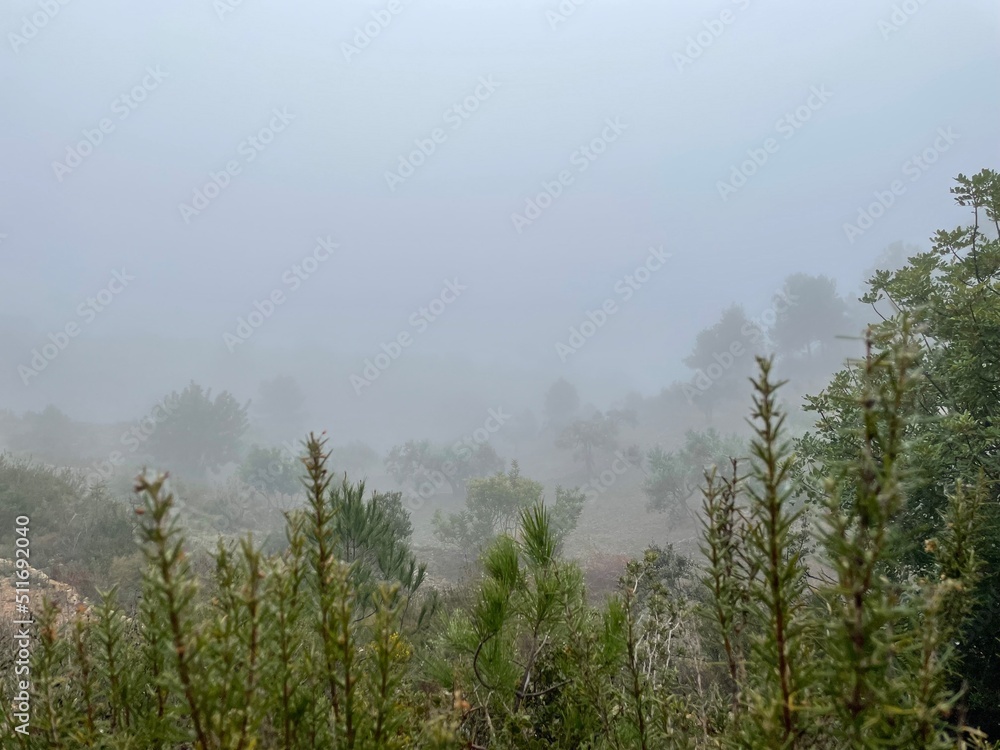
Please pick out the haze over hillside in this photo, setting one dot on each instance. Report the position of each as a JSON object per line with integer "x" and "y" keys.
{"x": 499, "y": 375}
{"x": 694, "y": 90}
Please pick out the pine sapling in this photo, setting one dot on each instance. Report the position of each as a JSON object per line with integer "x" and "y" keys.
{"x": 173, "y": 589}
{"x": 780, "y": 649}
{"x": 869, "y": 615}
{"x": 727, "y": 576}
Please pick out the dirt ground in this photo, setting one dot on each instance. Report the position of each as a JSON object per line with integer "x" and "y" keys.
{"x": 65, "y": 597}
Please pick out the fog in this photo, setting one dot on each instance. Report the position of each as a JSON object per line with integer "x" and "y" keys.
{"x": 506, "y": 94}
{"x": 500, "y": 374}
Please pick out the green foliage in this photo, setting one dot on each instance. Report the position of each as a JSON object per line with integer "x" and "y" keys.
{"x": 274, "y": 653}
{"x": 494, "y": 506}
{"x": 674, "y": 476}
{"x": 372, "y": 537}
{"x": 428, "y": 468}
{"x": 270, "y": 470}
{"x": 77, "y": 531}
{"x": 867, "y": 607}
{"x": 952, "y": 298}
{"x": 777, "y": 679}
{"x": 201, "y": 434}
{"x": 728, "y": 572}
{"x": 309, "y": 648}
{"x": 734, "y": 330}
{"x": 586, "y": 437}
{"x": 848, "y": 589}
{"x": 509, "y": 645}
{"x": 539, "y": 668}
{"x": 566, "y": 510}
{"x": 861, "y": 660}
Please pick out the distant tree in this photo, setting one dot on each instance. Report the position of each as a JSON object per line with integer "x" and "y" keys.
{"x": 495, "y": 504}
{"x": 600, "y": 433}
{"x": 561, "y": 404}
{"x": 428, "y": 468}
{"x": 892, "y": 258}
{"x": 270, "y": 470}
{"x": 201, "y": 434}
{"x": 354, "y": 457}
{"x": 280, "y": 408}
{"x": 816, "y": 316}
{"x": 49, "y": 435}
{"x": 674, "y": 476}
{"x": 409, "y": 462}
{"x": 723, "y": 359}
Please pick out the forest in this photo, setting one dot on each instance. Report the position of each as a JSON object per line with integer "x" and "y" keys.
{"x": 797, "y": 546}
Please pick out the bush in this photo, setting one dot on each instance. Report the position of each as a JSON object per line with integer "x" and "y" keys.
{"x": 494, "y": 505}
{"x": 271, "y": 471}
{"x": 282, "y": 655}
{"x": 76, "y": 531}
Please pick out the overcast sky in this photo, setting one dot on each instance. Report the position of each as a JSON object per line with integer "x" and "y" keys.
{"x": 848, "y": 93}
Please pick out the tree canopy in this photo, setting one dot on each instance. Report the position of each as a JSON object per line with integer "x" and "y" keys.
{"x": 951, "y": 294}
{"x": 201, "y": 433}
{"x": 495, "y": 504}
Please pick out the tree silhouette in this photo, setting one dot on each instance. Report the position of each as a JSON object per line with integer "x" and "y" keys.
{"x": 428, "y": 467}
{"x": 722, "y": 359}
{"x": 561, "y": 404}
{"x": 588, "y": 436}
{"x": 201, "y": 434}
{"x": 813, "y": 320}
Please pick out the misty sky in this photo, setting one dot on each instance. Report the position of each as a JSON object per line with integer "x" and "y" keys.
{"x": 889, "y": 91}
